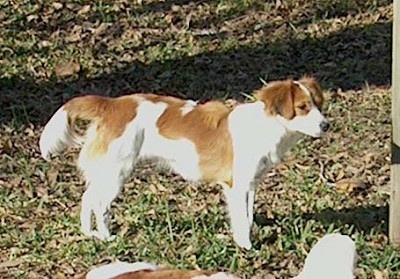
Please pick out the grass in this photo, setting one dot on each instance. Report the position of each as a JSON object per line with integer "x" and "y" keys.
{"x": 52, "y": 51}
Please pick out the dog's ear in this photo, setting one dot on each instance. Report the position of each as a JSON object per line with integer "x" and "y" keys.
{"x": 278, "y": 98}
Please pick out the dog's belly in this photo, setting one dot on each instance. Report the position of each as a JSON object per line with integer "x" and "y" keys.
{"x": 180, "y": 155}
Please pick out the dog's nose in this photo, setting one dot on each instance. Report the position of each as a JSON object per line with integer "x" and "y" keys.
{"x": 324, "y": 126}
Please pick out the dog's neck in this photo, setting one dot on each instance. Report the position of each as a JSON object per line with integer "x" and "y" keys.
{"x": 259, "y": 129}
{"x": 287, "y": 141}
{"x": 263, "y": 137}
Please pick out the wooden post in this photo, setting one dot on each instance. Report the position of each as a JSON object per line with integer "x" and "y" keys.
{"x": 394, "y": 214}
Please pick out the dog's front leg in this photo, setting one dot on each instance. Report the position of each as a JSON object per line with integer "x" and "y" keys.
{"x": 237, "y": 202}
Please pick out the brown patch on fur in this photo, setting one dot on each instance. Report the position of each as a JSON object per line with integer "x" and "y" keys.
{"x": 109, "y": 115}
{"x": 302, "y": 102}
{"x": 316, "y": 93}
{"x": 163, "y": 274}
{"x": 170, "y": 100}
{"x": 287, "y": 99}
{"x": 206, "y": 125}
{"x": 278, "y": 98}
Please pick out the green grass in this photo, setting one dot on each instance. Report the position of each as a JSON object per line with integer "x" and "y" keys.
{"x": 202, "y": 50}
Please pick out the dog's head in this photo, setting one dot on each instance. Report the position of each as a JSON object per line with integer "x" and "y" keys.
{"x": 296, "y": 104}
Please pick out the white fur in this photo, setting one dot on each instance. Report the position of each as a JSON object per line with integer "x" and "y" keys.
{"x": 105, "y": 177}
{"x": 188, "y": 107}
{"x": 111, "y": 270}
{"x": 257, "y": 148}
{"x": 259, "y": 142}
{"x": 302, "y": 87}
{"x": 308, "y": 124}
{"x": 56, "y": 135}
{"x": 333, "y": 257}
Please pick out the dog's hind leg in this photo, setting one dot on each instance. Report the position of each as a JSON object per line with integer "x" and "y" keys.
{"x": 105, "y": 175}
{"x": 100, "y": 193}
{"x": 103, "y": 186}
{"x": 87, "y": 206}
{"x": 101, "y": 209}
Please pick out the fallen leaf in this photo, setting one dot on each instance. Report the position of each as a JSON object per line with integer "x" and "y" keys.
{"x": 29, "y": 18}
{"x": 381, "y": 274}
{"x": 349, "y": 185}
{"x": 52, "y": 175}
{"x": 57, "y": 5}
{"x": 75, "y": 34}
{"x": 85, "y": 9}
{"x": 67, "y": 69}
{"x": 11, "y": 263}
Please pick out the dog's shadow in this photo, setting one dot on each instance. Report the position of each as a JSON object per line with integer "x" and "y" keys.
{"x": 362, "y": 218}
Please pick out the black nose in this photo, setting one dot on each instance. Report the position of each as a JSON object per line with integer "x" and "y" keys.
{"x": 324, "y": 126}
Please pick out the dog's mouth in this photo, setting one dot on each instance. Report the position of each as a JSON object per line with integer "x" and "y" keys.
{"x": 318, "y": 135}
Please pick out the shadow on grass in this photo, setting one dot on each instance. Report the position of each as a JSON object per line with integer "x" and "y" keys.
{"x": 347, "y": 59}
{"x": 363, "y": 218}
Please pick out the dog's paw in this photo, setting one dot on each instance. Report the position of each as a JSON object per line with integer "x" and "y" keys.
{"x": 111, "y": 238}
{"x": 246, "y": 245}
{"x": 243, "y": 242}
{"x": 101, "y": 236}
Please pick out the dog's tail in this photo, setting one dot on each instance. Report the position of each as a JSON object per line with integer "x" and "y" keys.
{"x": 59, "y": 132}
{"x": 117, "y": 268}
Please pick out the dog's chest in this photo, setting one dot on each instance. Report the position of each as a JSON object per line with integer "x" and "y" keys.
{"x": 274, "y": 157}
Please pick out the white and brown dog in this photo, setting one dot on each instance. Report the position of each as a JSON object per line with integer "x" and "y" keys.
{"x": 208, "y": 142}
{"x": 143, "y": 270}
{"x": 334, "y": 256}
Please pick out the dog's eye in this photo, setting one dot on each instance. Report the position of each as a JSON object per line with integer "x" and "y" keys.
{"x": 303, "y": 107}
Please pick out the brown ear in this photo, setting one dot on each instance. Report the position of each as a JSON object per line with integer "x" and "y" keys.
{"x": 316, "y": 93}
{"x": 278, "y": 98}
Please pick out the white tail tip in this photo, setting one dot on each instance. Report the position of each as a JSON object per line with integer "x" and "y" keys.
{"x": 56, "y": 135}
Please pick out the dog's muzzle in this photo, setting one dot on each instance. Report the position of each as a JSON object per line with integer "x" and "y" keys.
{"x": 324, "y": 126}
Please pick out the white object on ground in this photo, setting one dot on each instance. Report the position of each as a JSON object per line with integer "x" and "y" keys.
{"x": 333, "y": 257}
